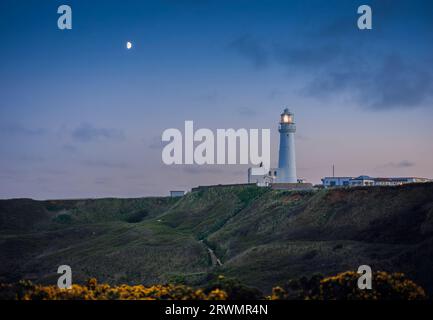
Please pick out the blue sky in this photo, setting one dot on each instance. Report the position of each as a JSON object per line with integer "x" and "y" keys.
{"x": 81, "y": 116}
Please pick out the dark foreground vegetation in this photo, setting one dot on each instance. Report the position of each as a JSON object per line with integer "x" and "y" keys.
{"x": 340, "y": 287}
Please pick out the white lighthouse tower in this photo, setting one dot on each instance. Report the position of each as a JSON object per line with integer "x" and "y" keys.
{"x": 284, "y": 177}
{"x": 286, "y": 172}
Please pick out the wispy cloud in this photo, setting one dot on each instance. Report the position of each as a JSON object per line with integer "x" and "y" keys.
{"x": 325, "y": 63}
{"x": 104, "y": 164}
{"x": 156, "y": 143}
{"x": 211, "y": 96}
{"x": 246, "y": 111}
{"x": 30, "y": 158}
{"x": 398, "y": 85}
{"x": 391, "y": 85}
{"x": 306, "y": 56}
{"x": 103, "y": 181}
{"x": 69, "y": 148}
{"x": 87, "y": 132}
{"x": 251, "y": 49}
{"x": 19, "y": 129}
{"x": 401, "y": 164}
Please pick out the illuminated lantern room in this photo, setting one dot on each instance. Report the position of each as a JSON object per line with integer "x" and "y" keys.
{"x": 287, "y": 117}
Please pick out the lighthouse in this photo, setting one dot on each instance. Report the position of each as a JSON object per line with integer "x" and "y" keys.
{"x": 286, "y": 172}
{"x": 284, "y": 177}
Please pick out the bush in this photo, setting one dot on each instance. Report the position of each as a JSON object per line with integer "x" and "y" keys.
{"x": 344, "y": 286}
{"x": 94, "y": 291}
{"x": 234, "y": 289}
{"x": 136, "y": 216}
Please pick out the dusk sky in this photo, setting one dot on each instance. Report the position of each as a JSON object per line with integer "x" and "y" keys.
{"x": 81, "y": 116}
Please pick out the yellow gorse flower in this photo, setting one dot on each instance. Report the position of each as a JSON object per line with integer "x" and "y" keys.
{"x": 94, "y": 291}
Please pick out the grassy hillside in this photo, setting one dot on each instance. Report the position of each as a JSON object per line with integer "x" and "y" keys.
{"x": 262, "y": 237}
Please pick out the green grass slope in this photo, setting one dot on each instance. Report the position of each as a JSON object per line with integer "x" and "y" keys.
{"x": 262, "y": 237}
{"x": 328, "y": 231}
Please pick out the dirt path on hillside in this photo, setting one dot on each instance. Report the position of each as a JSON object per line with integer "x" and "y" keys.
{"x": 214, "y": 259}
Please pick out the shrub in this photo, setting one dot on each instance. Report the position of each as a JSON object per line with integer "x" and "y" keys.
{"x": 94, "y": 291}
{"x": 136, "y": 216}
{"x": 344, "y": 286}
{"x": 234, "y": 289}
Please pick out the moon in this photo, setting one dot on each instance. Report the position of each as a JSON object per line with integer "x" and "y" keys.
{"x": 128, "y": 45}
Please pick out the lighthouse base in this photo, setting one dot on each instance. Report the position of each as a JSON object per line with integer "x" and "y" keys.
{"x": 285, "y": 175}
{"x": 275, "y": 175}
